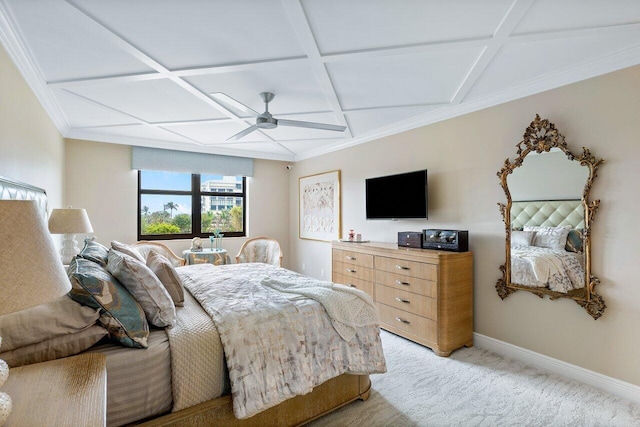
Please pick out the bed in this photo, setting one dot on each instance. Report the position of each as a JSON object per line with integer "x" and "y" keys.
{"x": 189, "y": 371}
{"x": 546, "y": 244}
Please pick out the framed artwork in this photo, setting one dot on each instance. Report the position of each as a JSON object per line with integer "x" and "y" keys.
{"x": 319, "y": 200}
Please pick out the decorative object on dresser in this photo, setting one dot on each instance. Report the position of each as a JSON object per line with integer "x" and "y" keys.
{"x": 547, "y": 190}
{"x": 446, "y": 240}
{"x": 410, "y": 239}
{"x": 69, "y": 222}
{"x": 423, "y": 295}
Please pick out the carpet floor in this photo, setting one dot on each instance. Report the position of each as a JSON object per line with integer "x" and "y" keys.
{"x": 475, "y": 387}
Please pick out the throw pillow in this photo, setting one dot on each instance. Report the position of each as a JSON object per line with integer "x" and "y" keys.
{"x": 574, "y": 241}
{"x": 54, "y": 348}
{"x": 94, "y": 251}
{"x": 522, "y": 238}
{"x": 127, "y": 249}
{"x": 145, "y": 287}
{"x": 549, "y": 237}
{"x": 93, "y": 286}
{"x": 61, "y": 316}
{"x": 163, "y": 269}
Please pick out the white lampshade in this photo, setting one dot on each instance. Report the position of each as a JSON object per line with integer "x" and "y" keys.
{"x": 30, "y": 269}
{"x": 69, "y": 222}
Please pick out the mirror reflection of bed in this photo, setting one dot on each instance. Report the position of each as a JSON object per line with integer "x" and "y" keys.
{"x": 546, "y": 245}
{"x": 546, "y": 213}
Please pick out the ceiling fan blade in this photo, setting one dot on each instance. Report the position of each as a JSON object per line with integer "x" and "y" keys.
{"x": 239, "y": 135}
{"x": 313, "y": 125}
{"x": 226, "y": 99}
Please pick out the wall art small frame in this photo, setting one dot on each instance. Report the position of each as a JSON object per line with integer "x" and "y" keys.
{"x": 319, "y": 214}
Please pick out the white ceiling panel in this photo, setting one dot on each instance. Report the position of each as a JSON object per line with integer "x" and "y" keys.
{"x": 401, "y": 80}
{"x": 375, "y": 66}
{"x": 215, "y": 132}
{"x": 365, "y": 121}
{"x": 340, "y": 25}
{"x": 519, "y": 63}
{"x": 296, "y": 87}
{"x": 67, "y": 44}
{"x": 143, "y": 132}
{"x": 152, "y": 100}
{"x": 82, "y": 113}
{"x": 191, "y": 33}
{"x": 551, "y": 15}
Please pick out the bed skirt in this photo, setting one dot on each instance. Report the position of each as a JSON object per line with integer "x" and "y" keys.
{"x": 298, "y": 410}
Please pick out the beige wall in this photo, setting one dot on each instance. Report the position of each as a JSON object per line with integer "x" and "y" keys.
{"x": 31, "y": 148}
{"x": 100, "y": 179}
{"x": 463, "y": 155}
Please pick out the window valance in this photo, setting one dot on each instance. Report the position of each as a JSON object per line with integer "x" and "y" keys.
{"x": 145, "y": 158}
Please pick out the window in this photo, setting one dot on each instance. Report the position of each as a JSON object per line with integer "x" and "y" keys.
{"x": 174, "y": 205}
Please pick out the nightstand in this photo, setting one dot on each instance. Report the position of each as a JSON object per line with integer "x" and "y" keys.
{"x": 63, "y": 392}
{"x": 210, "y": 256}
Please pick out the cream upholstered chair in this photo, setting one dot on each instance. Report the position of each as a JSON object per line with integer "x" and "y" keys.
{"x": 144, "y": 247}
{"x": 260, "y": 249}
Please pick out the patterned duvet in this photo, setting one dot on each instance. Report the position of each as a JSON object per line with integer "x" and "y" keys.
{"x": 276, "y": 347}
{"x": 539, "y": 267}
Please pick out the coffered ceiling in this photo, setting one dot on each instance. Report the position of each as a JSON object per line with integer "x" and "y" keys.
{"x": 142, "y": 72}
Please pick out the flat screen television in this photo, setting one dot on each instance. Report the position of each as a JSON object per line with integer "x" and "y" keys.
{"x": 401, "y": 196}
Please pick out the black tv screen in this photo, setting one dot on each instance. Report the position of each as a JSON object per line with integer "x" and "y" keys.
{"x": 402, "y": 196}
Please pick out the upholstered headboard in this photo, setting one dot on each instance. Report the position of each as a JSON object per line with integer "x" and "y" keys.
{"x": 548, "y": 213}
{"x": 15, "y": 190}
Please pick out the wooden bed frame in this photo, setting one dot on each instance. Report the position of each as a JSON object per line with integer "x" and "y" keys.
{"x": 299, "y": 410}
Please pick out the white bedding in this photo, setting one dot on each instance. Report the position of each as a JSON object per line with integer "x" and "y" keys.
{"x": 276, "y": 347}
{"x": 537, "y": 267}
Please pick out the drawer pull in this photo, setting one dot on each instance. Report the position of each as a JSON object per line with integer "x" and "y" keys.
{"x": 351, "y": 285}
{"x": 351, "y": 258}
{"x": 400, "y": 282}
{"x": 400, "y": 267}
{"x": 350, "y": 270}
{"x": 406, "y": 301}
{"x": 402, "y": 320}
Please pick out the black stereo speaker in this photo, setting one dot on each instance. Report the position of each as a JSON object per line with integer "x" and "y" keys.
{"x": 410, "y": 239}
{"x": 446, "y": 240}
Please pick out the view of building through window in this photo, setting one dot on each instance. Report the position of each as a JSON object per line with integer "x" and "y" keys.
{"x": 183, "y": 205}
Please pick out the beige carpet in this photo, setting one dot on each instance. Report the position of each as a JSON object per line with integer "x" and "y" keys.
{"x": 475, "y": 387}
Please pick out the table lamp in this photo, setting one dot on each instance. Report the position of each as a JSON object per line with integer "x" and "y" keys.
{"x": 30, "y": 270}
{"x": 69, "y": 222}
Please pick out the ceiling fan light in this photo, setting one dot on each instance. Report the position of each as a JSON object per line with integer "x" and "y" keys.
{"x": 266, "y": 123}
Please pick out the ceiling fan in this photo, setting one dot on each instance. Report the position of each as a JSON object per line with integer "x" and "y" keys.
{"x": 266, "y": 120}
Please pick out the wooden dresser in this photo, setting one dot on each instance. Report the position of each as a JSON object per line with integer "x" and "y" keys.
{"x": 423, "y": 295}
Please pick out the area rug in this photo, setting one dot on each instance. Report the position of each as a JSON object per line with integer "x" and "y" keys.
{"x": 475, "y": 387}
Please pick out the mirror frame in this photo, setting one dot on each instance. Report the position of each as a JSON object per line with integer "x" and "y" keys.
{"x": 541, "y": 136}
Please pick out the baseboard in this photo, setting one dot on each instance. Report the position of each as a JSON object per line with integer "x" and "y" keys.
{"x": 558, "y": 367}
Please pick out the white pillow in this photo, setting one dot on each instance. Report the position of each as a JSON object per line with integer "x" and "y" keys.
{"x": 144, "y": 286}
{"x": 522, "y": 238}
{"x": 549, "y": 237}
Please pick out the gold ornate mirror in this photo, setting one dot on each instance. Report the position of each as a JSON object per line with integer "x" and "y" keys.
{"x": 548, "y": 218}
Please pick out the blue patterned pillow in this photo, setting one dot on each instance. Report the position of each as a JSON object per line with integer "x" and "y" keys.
{"x": 121, "y": 315}
{"x": 574, "y": 241}
{"x": 94, "y": 251}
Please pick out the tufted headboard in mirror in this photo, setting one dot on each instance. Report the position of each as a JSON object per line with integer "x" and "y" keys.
{"x": 547, "y": 213}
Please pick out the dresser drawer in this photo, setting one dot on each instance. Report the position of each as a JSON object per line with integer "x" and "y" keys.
{"x": 407, "y": 322}
{"x": 349, "y": 270}
{"x": 406, "y": 301}
{"x": 406, "y": 283}
{"x": 407, "y": 268}
{"x": 354, "y": 282}
{"x": 354, "y": 258}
